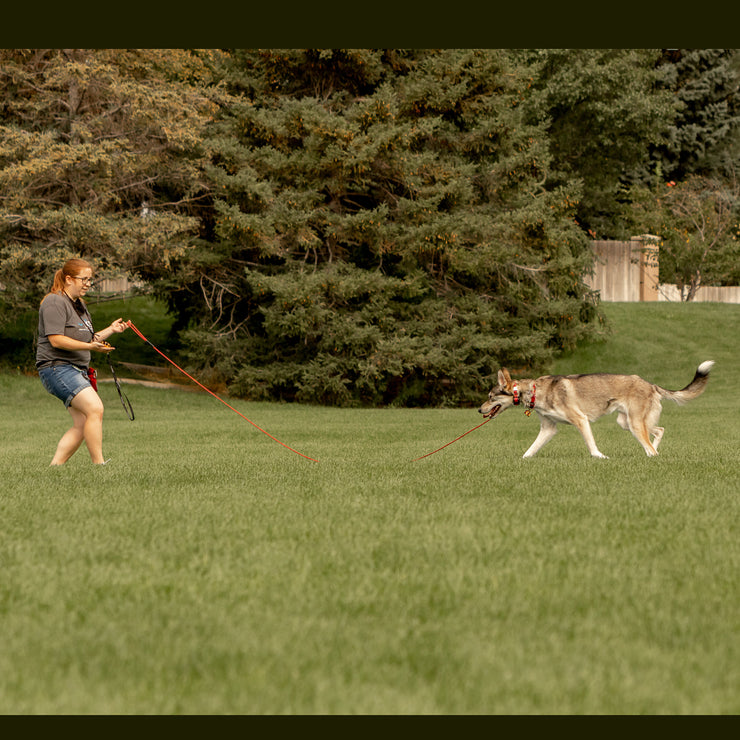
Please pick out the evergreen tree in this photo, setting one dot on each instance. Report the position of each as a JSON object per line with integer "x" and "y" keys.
{"x": 382, "y": 230}
{"x": 704, "y": 137}
{"x": 603, "y": 113}
{"x": 99, "y": 159}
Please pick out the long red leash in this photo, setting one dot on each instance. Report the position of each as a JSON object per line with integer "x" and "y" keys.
{"x": 454, "y": 440}
{"x": 131, "y": 326}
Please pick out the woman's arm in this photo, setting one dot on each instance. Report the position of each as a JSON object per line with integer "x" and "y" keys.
{"x": 60, "y": 341}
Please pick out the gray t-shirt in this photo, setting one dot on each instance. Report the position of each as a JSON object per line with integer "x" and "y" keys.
{"x": 58, "y": 314}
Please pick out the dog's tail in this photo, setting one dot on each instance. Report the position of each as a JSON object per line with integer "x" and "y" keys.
{"x": 694, "y": 388}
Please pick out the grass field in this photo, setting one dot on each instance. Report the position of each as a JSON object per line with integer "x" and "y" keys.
{"x": 207, "y": 569}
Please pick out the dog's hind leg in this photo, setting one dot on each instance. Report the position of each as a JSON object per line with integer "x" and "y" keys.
{"x": 643, "y": 422}
{"x": 640, "y": 432}
{"x": 657, "y": 433}
{"x": 652, "y": 424}
{"x": 547, "y": 432}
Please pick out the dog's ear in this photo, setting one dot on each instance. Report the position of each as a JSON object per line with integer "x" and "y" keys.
{"x": 504, "y": 379}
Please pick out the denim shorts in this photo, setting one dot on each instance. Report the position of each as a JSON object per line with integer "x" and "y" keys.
{"x": 64, "y": 381}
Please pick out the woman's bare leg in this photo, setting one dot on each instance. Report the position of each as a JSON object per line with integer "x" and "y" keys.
{"x": 86, "y": 410}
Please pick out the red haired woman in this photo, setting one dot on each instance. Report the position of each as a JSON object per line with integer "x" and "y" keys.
{"x": 66, "y": 338}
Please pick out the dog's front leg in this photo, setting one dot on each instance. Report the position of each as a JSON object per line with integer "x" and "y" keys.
{"x": 548, "y": 428}
{"x": 581, "y": 423}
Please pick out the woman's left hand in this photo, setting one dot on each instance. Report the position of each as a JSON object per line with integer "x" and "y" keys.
{"x": 118, "y": 326}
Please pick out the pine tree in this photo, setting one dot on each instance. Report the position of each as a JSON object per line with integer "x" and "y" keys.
{"x": 90, "y": 142}
{"x": 603, "y": 114}
{"x": 704, "y": 138}
{"x": 381, "y": 231}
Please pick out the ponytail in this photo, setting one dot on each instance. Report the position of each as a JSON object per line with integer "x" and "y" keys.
{"x": 58, "y": 285}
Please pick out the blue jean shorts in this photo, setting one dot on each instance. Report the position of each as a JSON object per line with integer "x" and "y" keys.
{"x": 64, "y": 381}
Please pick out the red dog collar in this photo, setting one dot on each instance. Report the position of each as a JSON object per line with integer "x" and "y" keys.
{"x": 517, "y": 399}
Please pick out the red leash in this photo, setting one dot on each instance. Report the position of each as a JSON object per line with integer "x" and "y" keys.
{"x": 131, "y": 325}
{"x": 454, "y": 440}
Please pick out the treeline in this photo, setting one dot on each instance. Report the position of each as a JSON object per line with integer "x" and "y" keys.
{"x": 365, "y": 226}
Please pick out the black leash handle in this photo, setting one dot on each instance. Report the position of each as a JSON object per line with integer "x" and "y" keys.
{"x": 127, "y": 407}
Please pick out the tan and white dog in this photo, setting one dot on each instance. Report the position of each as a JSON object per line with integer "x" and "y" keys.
{"x": 581, "y": 399}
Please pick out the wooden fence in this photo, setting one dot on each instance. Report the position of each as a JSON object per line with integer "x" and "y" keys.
{"x": 704, "y": 294}
{"x": 122, "y": 285}
{"x": 628, "y": 272}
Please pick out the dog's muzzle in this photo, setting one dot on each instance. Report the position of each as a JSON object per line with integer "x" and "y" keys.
{"x": 490, "y": 414}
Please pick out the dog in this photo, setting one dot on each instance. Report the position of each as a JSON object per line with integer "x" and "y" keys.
{"x": 581, "y": 399}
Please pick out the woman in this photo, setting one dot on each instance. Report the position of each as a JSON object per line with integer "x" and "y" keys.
{"x": 66, "y": 338}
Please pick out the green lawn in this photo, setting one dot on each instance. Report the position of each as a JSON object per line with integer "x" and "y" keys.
{"x": 209, "y": 570}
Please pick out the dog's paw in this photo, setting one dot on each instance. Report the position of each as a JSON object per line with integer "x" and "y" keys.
{"x": 599, "y": 455}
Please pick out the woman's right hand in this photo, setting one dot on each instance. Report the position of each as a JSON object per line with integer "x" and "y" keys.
{"x": 103, "y": 347}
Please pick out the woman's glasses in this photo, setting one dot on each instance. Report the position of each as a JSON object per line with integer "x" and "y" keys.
{"x": 85, "y": 280}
